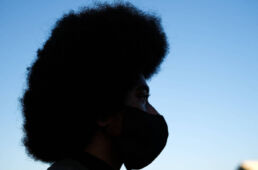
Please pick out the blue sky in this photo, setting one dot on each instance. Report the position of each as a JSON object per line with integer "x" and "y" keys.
{"x": 207, "y": 88}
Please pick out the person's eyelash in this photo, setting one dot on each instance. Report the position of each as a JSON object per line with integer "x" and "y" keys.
{"x": 146, "y": 96}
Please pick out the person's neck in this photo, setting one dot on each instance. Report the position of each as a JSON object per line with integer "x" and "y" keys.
{"x": 101, "y": 147}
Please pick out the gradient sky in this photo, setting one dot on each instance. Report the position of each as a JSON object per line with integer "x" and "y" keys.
{"x": 207, "y": 88}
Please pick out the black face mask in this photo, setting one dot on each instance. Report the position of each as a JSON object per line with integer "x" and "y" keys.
{"x": 143, "y": 137}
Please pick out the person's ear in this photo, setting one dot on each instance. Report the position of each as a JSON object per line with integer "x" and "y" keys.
{"x": 112, "y": 124}
{"x": 104, "y": 122}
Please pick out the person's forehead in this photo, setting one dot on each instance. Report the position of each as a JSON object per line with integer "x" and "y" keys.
{"x": 142, "y": 84}
{"x": 142, "y": 80}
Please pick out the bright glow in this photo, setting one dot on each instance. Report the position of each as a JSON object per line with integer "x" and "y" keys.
{"x": 250, "y": 165}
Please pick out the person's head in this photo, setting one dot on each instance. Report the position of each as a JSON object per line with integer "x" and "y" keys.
{"x": 94, "y": 63}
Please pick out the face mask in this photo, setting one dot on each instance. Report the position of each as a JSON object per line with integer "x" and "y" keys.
{"x": 143, "y": 137}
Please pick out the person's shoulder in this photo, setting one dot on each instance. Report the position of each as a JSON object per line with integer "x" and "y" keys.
{"x": 67, "y": 164}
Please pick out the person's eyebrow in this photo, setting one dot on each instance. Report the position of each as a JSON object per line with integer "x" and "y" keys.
{"x": 143, "y": 87}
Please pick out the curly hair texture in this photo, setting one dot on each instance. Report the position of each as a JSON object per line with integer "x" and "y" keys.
{"x": 83, "y": 73}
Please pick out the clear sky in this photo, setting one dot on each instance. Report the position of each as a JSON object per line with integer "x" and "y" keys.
{"x": 207, "y": 88}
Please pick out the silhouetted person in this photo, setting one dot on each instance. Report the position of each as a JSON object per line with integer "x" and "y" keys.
{"x": 86, "y": 106}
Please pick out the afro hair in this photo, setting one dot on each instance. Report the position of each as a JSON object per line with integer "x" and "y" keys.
{"x": 83, "y": 72}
